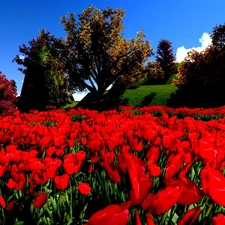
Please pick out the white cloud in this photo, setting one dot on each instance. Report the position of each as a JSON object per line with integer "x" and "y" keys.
{"x": 205, "y": 41}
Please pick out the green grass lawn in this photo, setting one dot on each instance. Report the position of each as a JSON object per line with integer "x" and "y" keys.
{"x": 148, "y": 95}
{"x": 143, "y": 95}
{"x": 73, "y": 104}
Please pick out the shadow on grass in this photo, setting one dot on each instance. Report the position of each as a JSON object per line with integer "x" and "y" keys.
{"x": 108, "y": 101}
{"x": 147, "y": 100}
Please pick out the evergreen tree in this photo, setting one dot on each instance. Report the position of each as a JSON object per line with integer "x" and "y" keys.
{"x": 166, "y": 58}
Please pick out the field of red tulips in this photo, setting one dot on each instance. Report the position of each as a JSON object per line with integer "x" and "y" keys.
{"x": 135, "y": 166}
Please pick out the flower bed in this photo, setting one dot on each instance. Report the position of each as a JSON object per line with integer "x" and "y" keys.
{"x": 115, "y": 167}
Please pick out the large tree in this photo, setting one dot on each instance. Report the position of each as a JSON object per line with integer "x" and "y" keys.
{"x": 96, "y": 55}
{"x": 201, "y": 79}
{"x": 165, "y": 58}
{"x": 44, "y": 83}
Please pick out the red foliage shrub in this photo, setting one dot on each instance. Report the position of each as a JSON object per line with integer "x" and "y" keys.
{"x": 8, "y": 96}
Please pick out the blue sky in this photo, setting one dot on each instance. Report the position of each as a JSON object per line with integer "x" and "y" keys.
{"x": 185, "y": 23}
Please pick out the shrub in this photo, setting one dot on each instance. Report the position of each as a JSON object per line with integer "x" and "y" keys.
{"x": 8, "y": 96}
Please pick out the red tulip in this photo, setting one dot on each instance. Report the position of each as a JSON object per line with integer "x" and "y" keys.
{"x": 11, "y": 184}
{"x": 10, "y": 205}
{"x": 164, "y": 200}
{"x": 51, "y": 166}
{"x": 39, "y": 177}
{"x": 95, "y": 142}
{"x": 153, "y": 154}
{"x": 169, "y": 140}
{"x": 173, "y": 165}
{"x": 144, "y": 188}
{"x": 112, "y": 171}
{"x": 34, "y": 164}
{"x": 213, "y": 184}
{"x": 146, "y": 203}
{"x": 218, "y": 220}
{"x": 154, "y": 169}
{"x": 62, "y": 182}
{"x": 190, "y": 192}
{"x": 133, "y": 138}
{"x": 84, "y": 188}
{"x": 184, "y": 171}
{"x": 2, "y": 202}
{"x": 190, "y": 216}
{"x": 111, "y": 215}
{"x": 137, "y": 218}
{"x": 150, "y": 220}
{"x": 40, "y": 200}
{"x": 108, "y": 157}
{"x": 135, "y": 167}
{"x": 73, "y": 162}
{"x": 3, "y": 169}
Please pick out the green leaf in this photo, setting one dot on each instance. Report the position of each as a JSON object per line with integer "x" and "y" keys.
{"x": 53, "y": 204}
{"x": 19, "y": 223}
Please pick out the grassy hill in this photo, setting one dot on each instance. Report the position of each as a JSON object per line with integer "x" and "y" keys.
{"x": 143, "y": 95}
{"x": 148, "y": 95}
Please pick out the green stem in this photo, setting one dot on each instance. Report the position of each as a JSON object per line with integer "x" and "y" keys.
{"x": 162, "y": 222}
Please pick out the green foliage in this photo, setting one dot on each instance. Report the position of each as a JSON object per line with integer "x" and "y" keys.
{"x": 96, "y": 55}
{"x": 149, "y": 95}
{"x": 155, "y": 74}
{"x": 200, "y": 76}
{"x": 166, "y": 58}
{"x": 218, "y": 36}
{"x": 172, "y": 77}
{"x": 44, "y": 83}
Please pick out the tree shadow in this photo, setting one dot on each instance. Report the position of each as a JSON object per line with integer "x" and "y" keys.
{"x": 108, "y": 101}
{"x": 196, "y": 97}
{"x": 147, "y": 100}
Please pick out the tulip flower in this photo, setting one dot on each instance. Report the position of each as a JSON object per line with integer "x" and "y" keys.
{"x": 174, "y": 165}
{"x": 40, "y": 200}
{"x": 150, "y": 220}
{"x": 2, "y": 202}
{"x": 153, "y": 154}
{"x": 146, "y": 203}
{"x": 11, "y": 184}
{"x": 218, "y": 220}
{"x": 73, "y": 161}
{"x": 144, "y": 188}
{"x": 154, "y": 169}
{"x": 62, "y": 182}
{"x": 84, "y": 188}
{"x": 10, "y": 205}
{"x": 190, "y": 192}
{"x": 213, "y": 184}
{"x": 135, "y": 167}
{"x": 190, "y": 216}
{"x": 113, "y": 214}
{"x": 137, "y": 218}
{"x": 164, "y": 200}
{"x": 3, "y": 169}
{"x": 133, "y": 138}
{"x": 112, "y": 171}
